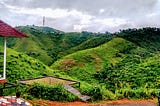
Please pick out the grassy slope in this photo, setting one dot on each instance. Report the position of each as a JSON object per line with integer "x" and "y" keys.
{"x": 122, "y": 65}
{"x": 84, "y": 64}
{"x": 21, "y": 66}
{"x": 139, "y": 68}
{"x": 33, "y": 49}
{"x": 119, "y": 68}
{"x": 47, "y": 44}
{"x": 90, "y": 43}
{"x": 35, "y": 45}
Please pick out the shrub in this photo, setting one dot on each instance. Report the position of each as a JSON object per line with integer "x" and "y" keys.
{"x": 93, "y": 91}
{"x": 57, "y": 92}
{"x": 139, "y": 93}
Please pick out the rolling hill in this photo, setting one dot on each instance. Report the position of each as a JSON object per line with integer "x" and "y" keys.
{"x": 91, "y": 60}
{"x": 48, "y": 44}
{"x": 124, "y": 64}
{"x": 21, "y": 66}
{"x": 86, "y": 63}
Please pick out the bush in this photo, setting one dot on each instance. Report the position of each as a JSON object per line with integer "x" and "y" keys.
{"x": 56, "y": 93}
{"x": 139, "y": 93}
{"x": 107, "y": 94}
{"x": 93, "y": 91}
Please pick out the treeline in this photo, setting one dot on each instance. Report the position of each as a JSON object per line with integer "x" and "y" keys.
{"x": 144, "y": 37}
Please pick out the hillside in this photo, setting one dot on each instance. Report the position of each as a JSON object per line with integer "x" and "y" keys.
{"x": 91, "y": 60}
{"x": 90, "y": 43}
{"x": 122, "y": 65}
{"x": 21, "y": 66}
{"x": 48, "y": 44}
{"x": 145, "y": 37}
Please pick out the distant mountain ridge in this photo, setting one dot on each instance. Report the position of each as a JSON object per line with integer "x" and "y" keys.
{"x": 40, "y": 29}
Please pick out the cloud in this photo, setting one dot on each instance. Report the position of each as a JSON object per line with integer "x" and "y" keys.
{"x": 79, "y": 15}
{"x": 84, "y": 21}
{"x": 112, "y": 7}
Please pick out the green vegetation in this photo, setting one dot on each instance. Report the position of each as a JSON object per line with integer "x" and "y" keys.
{"x": 21, "y": 66}
{"x": 56, "y": 93}
{"x": 90, "y": 61}
{"x": 48, "y": 45}
{"x": 123, "y": 67}
{"x": 109, "y": 66}
{"x": 147, "y": 38}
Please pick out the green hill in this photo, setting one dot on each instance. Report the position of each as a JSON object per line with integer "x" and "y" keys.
{"x": 21, "y": 66}
{"x": 48, "y": 44}
{"x": 35, "y": 45}
{"x": 93, "y": 60}
{"x": 122, "y": 65}
{"x": 145, "y": 37}
{"x": 90, "y": 43}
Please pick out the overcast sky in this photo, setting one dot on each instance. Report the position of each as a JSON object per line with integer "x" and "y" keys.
{"x": 82, "y": 15}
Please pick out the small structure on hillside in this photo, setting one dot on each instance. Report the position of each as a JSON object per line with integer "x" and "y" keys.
{"x": 49, "y": 80}
{"x": 7, "y": 31}
{"x": 52, "y": 80}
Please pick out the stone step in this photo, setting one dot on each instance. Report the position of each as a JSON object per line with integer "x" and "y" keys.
{"x": 76, "y": 92}
{"x": 85, "y": 97}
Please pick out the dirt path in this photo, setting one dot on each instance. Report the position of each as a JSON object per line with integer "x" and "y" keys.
{"x": 124, "y": 102}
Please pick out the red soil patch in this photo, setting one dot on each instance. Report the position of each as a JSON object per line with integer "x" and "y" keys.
{"x": 150, "y": 102}
{"x": 125, "y": 101}
{"x": 68, "y": 63}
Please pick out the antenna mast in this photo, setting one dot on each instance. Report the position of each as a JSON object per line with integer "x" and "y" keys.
{"x": 43, "y": 20}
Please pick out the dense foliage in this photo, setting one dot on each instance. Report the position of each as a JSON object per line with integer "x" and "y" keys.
{"x": 48, "y": 45}
{"x": 56, "y": 93}
{"x": 123, "y": 65}
{"x": 109, "y": 66}
{"x": 20, "y": 66}
{"x": 145, "y": 37}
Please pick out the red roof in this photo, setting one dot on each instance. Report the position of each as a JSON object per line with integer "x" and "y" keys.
{"x": 7, "y": 30}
